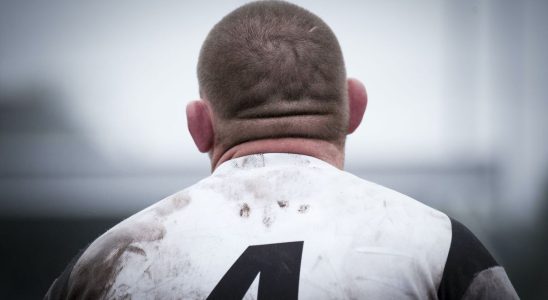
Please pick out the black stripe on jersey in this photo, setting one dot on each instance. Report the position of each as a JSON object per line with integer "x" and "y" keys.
{"x": 467, "y": 257}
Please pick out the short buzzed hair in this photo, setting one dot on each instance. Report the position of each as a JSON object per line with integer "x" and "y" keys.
{"x": 271, "y": 69}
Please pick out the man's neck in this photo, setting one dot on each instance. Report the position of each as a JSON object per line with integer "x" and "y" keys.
{"x": 320, "y": 149}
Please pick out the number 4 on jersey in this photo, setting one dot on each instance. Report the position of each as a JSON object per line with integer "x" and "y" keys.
{"x": 279, "y": 266}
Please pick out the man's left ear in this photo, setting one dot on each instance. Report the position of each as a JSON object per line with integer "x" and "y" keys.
{"x": 357, "y": 102}
{"x": 200, "y": 124}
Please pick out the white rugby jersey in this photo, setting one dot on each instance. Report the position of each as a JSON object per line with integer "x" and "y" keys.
{"x": 285, "y": 226}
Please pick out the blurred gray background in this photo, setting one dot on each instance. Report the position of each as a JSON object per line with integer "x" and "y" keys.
{"x": 93, "y": 129}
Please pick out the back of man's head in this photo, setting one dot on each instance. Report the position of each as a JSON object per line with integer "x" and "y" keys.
{"x": 271, "y": 69}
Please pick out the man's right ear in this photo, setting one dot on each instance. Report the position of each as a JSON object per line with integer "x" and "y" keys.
{"x": 200, "y": 124}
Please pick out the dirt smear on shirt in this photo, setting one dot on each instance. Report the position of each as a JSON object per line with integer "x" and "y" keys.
{"x": 244, "y": 210}
{"x": 303, "y": 208}
{"x": 96, "y": 271}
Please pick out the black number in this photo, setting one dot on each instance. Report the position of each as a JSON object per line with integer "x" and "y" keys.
{"x": 279, "y": 265}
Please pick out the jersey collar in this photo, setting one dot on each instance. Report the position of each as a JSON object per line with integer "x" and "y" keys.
{"x": 263, "y": 160}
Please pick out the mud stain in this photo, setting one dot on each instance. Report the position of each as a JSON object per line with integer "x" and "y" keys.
{"x": 267, "y": 221}
{"x": 122, "y": 292}
{"x": 317, "y": 262}
{"x": 258, "y": 188}
{"x": 172, "y": 204}
{"x": 136, "y": 250}
{"x": 244, "y": 210}
{"x": 251, "y": 161}
{"x": 283, "y": 203}
{"x": 268, "y": 216}
{"x": 147, "y": 273}
{"x": 180, "y": 200}
{"x": 303, "y": 208}
{"x": 97, "y": 270}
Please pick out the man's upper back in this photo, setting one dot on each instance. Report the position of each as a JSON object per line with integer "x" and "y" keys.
{"x": 276, "y": 226}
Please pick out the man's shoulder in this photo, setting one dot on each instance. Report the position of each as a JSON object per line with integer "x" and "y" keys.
{"x": 94, "y": 270}
{"x": 470, "y": 270}
{"x": 407, "y": 208}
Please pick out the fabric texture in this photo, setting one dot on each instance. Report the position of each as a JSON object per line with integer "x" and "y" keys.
{"x": 279, "y": 226}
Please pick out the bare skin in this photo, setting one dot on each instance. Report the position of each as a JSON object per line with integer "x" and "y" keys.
{"x": 316, "y": 148}
{"x": 200, "y": 119}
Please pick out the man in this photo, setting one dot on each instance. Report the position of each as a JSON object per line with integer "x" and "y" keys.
{"x": 278, "y": 218}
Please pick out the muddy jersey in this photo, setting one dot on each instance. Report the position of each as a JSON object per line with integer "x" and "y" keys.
{"x": 285, "y": 226}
